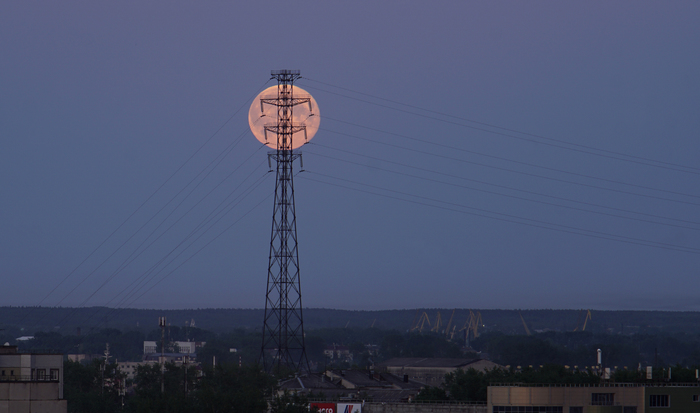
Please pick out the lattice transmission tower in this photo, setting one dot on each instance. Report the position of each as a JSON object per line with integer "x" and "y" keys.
{"x": 283, "y": 330}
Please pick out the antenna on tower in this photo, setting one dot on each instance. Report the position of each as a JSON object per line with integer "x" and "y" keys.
{"x": 104, "y": 365}
{"x": 297, "y": 120}
{"x": 161, "y": 324}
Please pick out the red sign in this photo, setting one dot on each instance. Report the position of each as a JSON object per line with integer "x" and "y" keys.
{"x": 324, "y": 407}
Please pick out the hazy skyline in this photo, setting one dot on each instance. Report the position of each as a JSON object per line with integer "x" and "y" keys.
{"x": 470, "y": 155}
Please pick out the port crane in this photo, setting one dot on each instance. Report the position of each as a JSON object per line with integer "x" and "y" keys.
{"x": 449, "y": 324}
{"x": 585, "y": 321}
{"x": 438, "y": 323}
{"x": 472, "y": 325}
{"x": 421, "y": 322}
{"x": 527, "y": 330}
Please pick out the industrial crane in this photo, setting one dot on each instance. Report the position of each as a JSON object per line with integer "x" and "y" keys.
{"x": 449, "y": 324}
{"x": 421, "y": 322}
{"x": 472, "y": 324}
{"x": 585, "y": 321}
{"x": 527, "y": 330}
{"x": 438, "y": 323}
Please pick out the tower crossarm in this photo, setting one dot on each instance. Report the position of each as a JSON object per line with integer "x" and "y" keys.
{"x": 277, "y": 129}
{"x": 285, "y": 102}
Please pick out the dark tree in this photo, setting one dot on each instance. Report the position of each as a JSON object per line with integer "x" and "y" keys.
{"x": 92, "y": 387}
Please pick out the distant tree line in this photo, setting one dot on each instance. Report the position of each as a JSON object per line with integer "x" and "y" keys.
{"x": 20, "y": 321}
{"x": 471, "y": 385}
{"x": 580, "y": 349}
{"x": 373, "y": 345}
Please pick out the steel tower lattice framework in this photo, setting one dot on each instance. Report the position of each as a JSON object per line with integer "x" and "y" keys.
{"x": 283, "y": 330}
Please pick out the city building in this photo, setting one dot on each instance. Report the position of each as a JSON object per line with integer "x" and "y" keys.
{"x": 357, "y": 385}
{"x": 83, "y": 358}
{"x": 431, "y": 371}
{"x": 603, "y": 398}
{"x": 150, "y": 347}
{"x": 176, "y": 358}
{"x": 31, "y": 382}
{"x": 130, "y": 368}
{"x": 337, "y": 352}
{"x": 183, "y": 347}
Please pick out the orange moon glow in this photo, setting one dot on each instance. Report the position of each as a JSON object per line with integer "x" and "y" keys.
{"x": 306, "y": 114}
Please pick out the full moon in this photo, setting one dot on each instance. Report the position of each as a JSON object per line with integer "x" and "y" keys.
{"x": 303, "y": 114}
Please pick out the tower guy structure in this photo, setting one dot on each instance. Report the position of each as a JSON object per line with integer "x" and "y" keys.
{"x": 283, "y": 346}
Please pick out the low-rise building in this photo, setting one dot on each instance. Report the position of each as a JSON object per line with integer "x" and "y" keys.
{"x": 83, "y": 358}
{"x": 358, "y": 385}
{"x": 130, "y": 368}
{"x": 431, "y": 371}
{"x": 176, "y": 358}
{"x": 338, "y": 352}
{"x": 184, "y": 347}
{"x": 31, "y": 382}
{"x": 603, "y": 398}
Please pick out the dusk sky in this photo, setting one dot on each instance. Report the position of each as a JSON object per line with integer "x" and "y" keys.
{"x": 501, "y": 154}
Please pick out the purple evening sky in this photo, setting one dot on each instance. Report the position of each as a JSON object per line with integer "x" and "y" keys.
{"x": 578, "y": 189}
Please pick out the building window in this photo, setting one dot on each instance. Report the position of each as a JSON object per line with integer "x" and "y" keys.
{"x": 54, "y": 374}
{"x": 41, "y": 374}
{"x": 629, "y": 409}
{"x": 528, "y": 409}
{"x": 576, "y": 409}
{"x": 696, "y": 397}
{"x": 659, "y": 400}
{"x": 602, "y": 399}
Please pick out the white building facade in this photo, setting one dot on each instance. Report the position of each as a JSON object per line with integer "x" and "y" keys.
{"x": 31, "y": 382}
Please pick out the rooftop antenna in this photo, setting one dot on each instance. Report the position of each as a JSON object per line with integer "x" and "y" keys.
{"x": 104, "y": 366}
{"x": 161, "y": 324}
{"x": 296, "y": 120}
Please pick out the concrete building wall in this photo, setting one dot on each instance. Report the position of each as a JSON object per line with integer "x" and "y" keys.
{"x": 48, "y": 406}
{"x": 186, "y": 347}
{"x": 422, "y": 408}
{"x": 44, "y": 391}
{"x": 10, "y": 365}
{"x": 566, "y": 397}
{"x": 48, "y": 365}
{"x": 19, "y": 391}
{"x": 150, "y": 347}
{"x": 31, "y": 382}
{"x": 435, "y": 376}
{"x": 678, "y": 398}
{"x": 44, "y": 406}
{"x": 32, "y": 366}
{"x": 681, "y": 399}
{"x": 29, "y": 391}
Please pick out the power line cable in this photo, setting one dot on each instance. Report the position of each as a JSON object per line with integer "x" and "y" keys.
{"x": 170, "y": 227}
{"x": 501, "y": 186}
{"x": 144, "y": 202}
{"x": 152, "y": 195}
{"x": 208, "y": 219}
{"x": 139, "y": 230}
{"x": 213, "y": 224}
{"x": 500, "y": 158}
{"x": 526, "y": 173}
{"x": 507, "y": 195}
{"x": 125, "y": 263}
{"x": 197, "y": 252}
{"x": 633, "y": 158}
{"x": 508, "y": 217}
{"x": 148, "y": 274}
